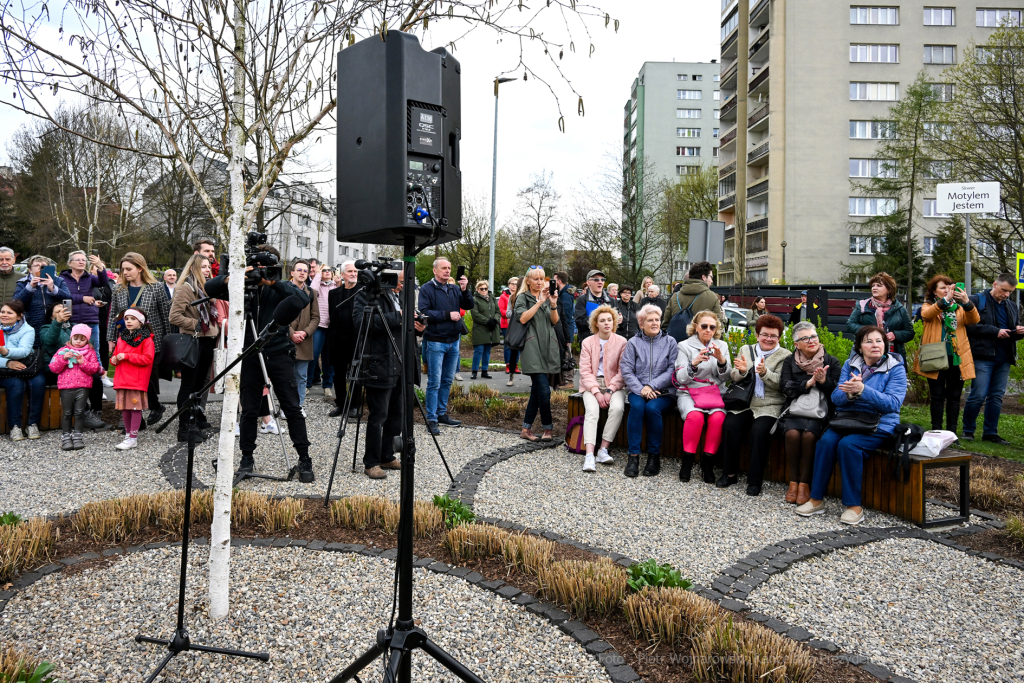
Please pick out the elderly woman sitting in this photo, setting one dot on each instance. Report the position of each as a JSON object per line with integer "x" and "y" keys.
{"x": 870, "y": 393}
{"x": 601, "y": 383}
{"x": 646, "y": 366}
{"x": 754, "y": 424}
{"x": 702, "y": 370}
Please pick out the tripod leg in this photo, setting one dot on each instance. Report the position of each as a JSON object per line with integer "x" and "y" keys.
{"x": 359, "y": 422}
{"x": 423, "y": 412}
{"x": 449, "y": 662}
{"x": 273, "y": 404}
{"x": 262, "y": 656}
{"x": 353, "y": 669}
{"x": 160, "y": 667}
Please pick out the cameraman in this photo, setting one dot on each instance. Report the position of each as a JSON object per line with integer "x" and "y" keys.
{"x": 441, "y": 302}
{"x": 263, "y": 297}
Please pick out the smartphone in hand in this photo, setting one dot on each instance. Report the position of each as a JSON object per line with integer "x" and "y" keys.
{"x": 48, "y": 270}
{"x": 553, "y": 287}
{"x": 460, "y": 273}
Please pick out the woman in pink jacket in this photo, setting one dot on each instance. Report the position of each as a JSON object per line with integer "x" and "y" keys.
{"x": 75, "y": 364}
{"x": 601, "y": 383}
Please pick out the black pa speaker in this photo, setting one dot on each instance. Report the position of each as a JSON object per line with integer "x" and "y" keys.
{"x": 399, "y": 130}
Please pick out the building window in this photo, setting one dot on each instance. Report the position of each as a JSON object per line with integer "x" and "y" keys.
{"x": 875, "y": 15}
{"x": 939, "y": 54}
{"x": 687, "y": 170}
{"x": 682, "y": 77}
{"x": 714, "y": 132}
{"x": 687, "y": 151}
{"x": 698, "y": 77}
{"x": 872, "y": 168}
{"x": 687, "y": 132}
{"x": 889, "y": 54}
{"x": 866, "y": 244}
{"x": 871, "y": 130}
{"x": 931, "y": 209}
{"x": 937, "y": 131}
{"x": 688, "y": 113}
{"x": 714, "y": 152}
{"x": 993, "y": 18}
{"x": 938, "y": 16}
{"x": 716, "y": 78}
{"x": 887, "y": 92}
{"x": 938, "y": 170}
{"x": 730, "y": 25}
{"x": 943, "y": 91}
{"x": 727, "y": 185}
{"x": 716, "y": 95}
{"x": 929, "y": 245}
{"x": 688, "y": 94}
{"x": 871, "y": 206}
{"x": 718, "y": 113}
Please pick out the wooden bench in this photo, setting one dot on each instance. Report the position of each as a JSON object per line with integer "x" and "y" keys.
{"x": 51, "y": 410}
{"x": 880, "y": 491}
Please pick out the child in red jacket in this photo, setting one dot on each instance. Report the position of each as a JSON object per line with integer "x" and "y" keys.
{"x": 74, "y": 364}
{"x": 133, "y": 360}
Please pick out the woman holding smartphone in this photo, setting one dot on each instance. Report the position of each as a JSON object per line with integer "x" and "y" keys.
{"x": 533, "y": 307}
{"x": 40, "y": 287}
{"x": 946, "y": 313}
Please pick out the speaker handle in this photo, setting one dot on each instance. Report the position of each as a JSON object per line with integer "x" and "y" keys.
{"x": 453, "y": 148}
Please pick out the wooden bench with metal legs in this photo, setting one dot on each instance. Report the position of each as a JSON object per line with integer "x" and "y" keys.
{"x": 881, "y": 491}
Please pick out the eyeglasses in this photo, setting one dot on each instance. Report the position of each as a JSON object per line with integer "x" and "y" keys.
{"x": 597, "y": 279}
{"x": 769, "y": 337}
{"x": 809, "y": 338}
{"x": 533, "y": 267}
{"x": 706, "y": 326}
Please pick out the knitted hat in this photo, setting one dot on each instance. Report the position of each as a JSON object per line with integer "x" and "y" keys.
{"x": 83, "y": 330}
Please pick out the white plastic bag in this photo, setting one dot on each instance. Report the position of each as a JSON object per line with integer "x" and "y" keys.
{"x": 933, "y": 442}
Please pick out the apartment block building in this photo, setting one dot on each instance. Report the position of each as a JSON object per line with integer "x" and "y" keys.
{"x": 801, "y": 82}
{"x": 671, "y": 120}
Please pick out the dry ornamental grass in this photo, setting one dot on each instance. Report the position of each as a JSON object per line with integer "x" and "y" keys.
{"x": 527, "y": 553}
{"x": 16, "y": 665}
{"x": 23, "y": 546}
{"x": 672, "y": 616}
{"x": 468, "y": 542}
{"x": 585, "y": 588}
{"x": 744, "y": 651}
{"x": 362, "y": 512}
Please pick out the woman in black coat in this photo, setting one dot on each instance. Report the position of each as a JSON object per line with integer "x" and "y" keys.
{"x": 808, "y": 369}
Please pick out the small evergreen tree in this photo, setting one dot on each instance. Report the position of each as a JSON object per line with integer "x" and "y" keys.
{"x": 950, "y": 250}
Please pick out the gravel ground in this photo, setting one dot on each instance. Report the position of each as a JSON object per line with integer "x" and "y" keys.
{"x": 926, "y": 611}
{"x": 313, "y": 612}
{"x": 696, "y": 527}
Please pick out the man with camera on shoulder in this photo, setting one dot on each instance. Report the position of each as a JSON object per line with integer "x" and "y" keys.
{"x": 265, "y": 291}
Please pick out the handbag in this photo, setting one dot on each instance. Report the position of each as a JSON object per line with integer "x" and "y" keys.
{"x": 515, "y": 337}
{"x": 32, "y": 362}
{"x": 813, "y": 405}
{"x": 739, "y": 394}
{"x": 933, "y": 357}
{"x": 854, "y": 422}
{"x": 708, "y": 397}
{"x": 180, "y": 351}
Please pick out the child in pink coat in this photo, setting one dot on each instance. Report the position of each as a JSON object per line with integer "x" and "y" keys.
{"x": 75, "y": 364}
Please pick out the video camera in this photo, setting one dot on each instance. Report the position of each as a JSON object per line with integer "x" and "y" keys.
{"x": 265, "y": 265}
{"x": 373, "y": 279}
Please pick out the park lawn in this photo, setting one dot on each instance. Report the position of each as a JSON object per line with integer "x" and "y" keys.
{"x": 1011, "y": 428}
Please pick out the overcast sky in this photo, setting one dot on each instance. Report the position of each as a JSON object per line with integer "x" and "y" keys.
{"x": 528, "y": 137}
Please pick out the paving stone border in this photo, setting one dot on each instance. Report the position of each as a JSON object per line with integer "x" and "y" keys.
{"x": 174, "y": 467}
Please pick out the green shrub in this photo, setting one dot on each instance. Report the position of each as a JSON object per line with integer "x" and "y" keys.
{"x": 455, "y": 512}
{"x": 1015, "y": 528}
{"x": 10, "y": 519}
{"x": 650, "y": 573}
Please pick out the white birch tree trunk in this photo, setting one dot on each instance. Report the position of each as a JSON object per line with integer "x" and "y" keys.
{"x": 220, "y": 530}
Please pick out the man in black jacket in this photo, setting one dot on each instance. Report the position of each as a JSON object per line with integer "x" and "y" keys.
{"x": 342, "y": 333}
{"x": 627, "y": 308}
{"x": 279, "y": 358}
{"x": 592, "y": 297}
{"x": 442, "y": 303}
{"x": 994, "y": 347}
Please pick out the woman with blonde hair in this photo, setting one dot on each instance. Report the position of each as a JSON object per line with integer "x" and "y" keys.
{"x": 601, "y": 383}
{"x": 533, "y": 307}
{"x": 702, "y": 371}
{"x": 485, "y": 328}
{"x": 138, "y": 287}
{"x": 203, "y": 321}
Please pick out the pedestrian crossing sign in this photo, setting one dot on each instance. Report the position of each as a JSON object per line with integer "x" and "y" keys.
{"x": 1020, "y": 270}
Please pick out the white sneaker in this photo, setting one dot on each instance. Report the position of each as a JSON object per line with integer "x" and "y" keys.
{"x": 128, "y": 442}
{"x": 107, "y": 382}
{"x": 16, "y": 434}
{"x": 328, "y": 392}
{"x": 303, "y": 411}
{"x": 269, "y": 427}
{"x": 604, "y": 458}
{"x": 33, "y": 431}
{"x": 458, "y": 377}
{"x": 588, "y": 463}
{"x": 852, "y": 518}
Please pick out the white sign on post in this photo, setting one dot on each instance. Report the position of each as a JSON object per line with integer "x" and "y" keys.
{"x": 967, "y": 198}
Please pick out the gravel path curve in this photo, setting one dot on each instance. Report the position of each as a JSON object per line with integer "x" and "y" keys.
{"x": 924, "y": 610}
{"x": 312, "y": 611}
{"x": 696, "y": 527}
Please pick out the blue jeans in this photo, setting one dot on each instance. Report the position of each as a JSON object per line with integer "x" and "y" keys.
{"x": 15, "y": 388}
{"x": 482, "y": 357}
{"x": 442, "y": 361}
{"x": 94, "y": 339}
{"x": 301, "y": 368}
{"x": 321, "y": 350}
{"x": 540, "y": 399}
{"x": 642, "y": 411}
{"x": 988, "y": 387}
{"x": 851, "y": 451}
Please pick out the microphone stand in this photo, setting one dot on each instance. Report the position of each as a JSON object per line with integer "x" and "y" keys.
{"x": 180, "y": 641}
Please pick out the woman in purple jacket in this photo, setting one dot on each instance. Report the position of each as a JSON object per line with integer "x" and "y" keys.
{"x": 647, "y": 364}
{"x": 85, "y": 310}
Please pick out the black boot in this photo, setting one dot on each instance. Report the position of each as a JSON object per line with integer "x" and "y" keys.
{"x": 726, "y": 480}
{"x": 157, "y": 414}
{"x": 202, "y": 422}
{"x": 485, "y": 375}
{"x": 653, "y": 466}
{"x": 306, "y": 475}
{"x": 685, "y": 466}
{"x": 632, "y": 465}
{"x": 246, "y": 466}
{"x": 472, "y": 375}
{"x": 707, "y": 467}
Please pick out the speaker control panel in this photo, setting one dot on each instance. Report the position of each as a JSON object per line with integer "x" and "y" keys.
{"x": 423, "y": 177}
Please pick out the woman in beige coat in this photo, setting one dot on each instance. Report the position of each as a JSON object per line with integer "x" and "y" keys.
{"x": 204, "y": 322}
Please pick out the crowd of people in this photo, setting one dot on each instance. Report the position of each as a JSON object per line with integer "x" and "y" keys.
{"x": 636, "y": 348}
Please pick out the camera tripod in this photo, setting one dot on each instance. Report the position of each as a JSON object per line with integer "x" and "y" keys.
{"x": 371, "y": 310}
{"x": 397, "y": 643}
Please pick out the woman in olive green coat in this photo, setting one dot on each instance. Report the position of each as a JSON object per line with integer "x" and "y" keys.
{"x": 485, "y": 328}
{"x": 539, "y": 358}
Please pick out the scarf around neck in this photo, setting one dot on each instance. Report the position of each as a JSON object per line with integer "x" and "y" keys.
{"x": 809, "y": 365}
{"x": 12, "y": 329}
{"x": 134, "y": 337}
{"x": 880, "y": 308}
{"x": 760, "y": 353}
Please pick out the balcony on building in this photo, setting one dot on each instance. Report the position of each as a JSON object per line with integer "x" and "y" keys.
{"x": 726, "y": 167}
{"x": 760, "y": 13}
{"x": 757, "y": 122}
{"x": 757, "y": 186}
{"x": 758, "y": 51}
{"x": 758, "y": 154}
{"x": 728, "y": 109}
{"x": 729, "y": 72}
{"x": 728, "y": 138}
{"x": 758, "y": 86}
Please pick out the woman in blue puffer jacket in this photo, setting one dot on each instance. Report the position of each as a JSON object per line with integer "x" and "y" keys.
{"x": 647, "y": 364}
{"x": 873, "y": 381}
{"x": 19, "y": 340}
{"x": 36, "y": 290}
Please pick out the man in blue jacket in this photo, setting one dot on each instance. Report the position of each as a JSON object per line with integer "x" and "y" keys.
{"x": 994, "y": 347}
{"x": 442, "y": 304}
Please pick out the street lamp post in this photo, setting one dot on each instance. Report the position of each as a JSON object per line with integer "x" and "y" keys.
{"x": 494, "y": 183}
{"x": 784, "y": 261}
